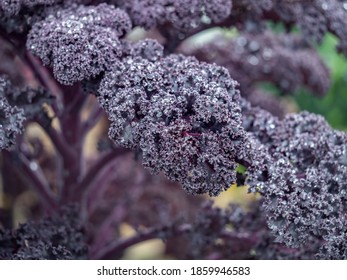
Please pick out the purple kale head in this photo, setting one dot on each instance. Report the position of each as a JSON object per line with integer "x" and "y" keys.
{"x": 182, "y": 116}
{"x": 79, "y": 42}
{"x": 304, "y": 190}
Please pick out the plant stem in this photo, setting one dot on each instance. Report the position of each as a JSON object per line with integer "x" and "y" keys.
{"x": 34, "y": 174}
{"x": 97, "y": 168}
{"x": 116, "y": 248}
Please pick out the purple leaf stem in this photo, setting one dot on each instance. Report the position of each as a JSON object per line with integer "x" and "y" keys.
{"x": 116, "y": 248}
{"x": 33, "y": 173}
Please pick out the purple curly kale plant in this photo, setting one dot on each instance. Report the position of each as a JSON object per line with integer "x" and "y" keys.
{"x": 181, "y": 115}
{"x": 107, "y": 112}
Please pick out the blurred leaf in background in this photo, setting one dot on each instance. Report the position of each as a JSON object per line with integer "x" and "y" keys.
{"x": 334, "y": 105}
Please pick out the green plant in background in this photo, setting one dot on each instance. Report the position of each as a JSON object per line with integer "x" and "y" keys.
{"x": 334, "y": 105}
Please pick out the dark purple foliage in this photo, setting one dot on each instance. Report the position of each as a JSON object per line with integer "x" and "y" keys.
{"x": 182, "y": 15}
{"x": 57, "y": 237}
{"x": 314, "y": 17}
{"x": 268, "y": 102}
{"x": 79, "y": 42}
{"x": 181, "y": 116}
{"x": 233, "y": 233}
{"x": 304, "y": 181}
{"x": 17, "y": 16}
{"x": 284, "y": 60}
{"x": 13, "y": 7}
{"x": 11, "y": 118}
{"x": 9, "y": 66}
{"x": 195, "y": 114}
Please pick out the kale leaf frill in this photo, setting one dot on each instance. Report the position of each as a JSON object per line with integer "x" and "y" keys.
{"x": 79, "y": 42}
{"x": 11, "y": 118}
{"x": 304, "y": 186}
{"x": 307, "y": 196}
{"x": 181, "y": 116}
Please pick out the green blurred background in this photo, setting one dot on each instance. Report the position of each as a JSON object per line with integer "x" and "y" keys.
{"x": 334, "y": 105}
